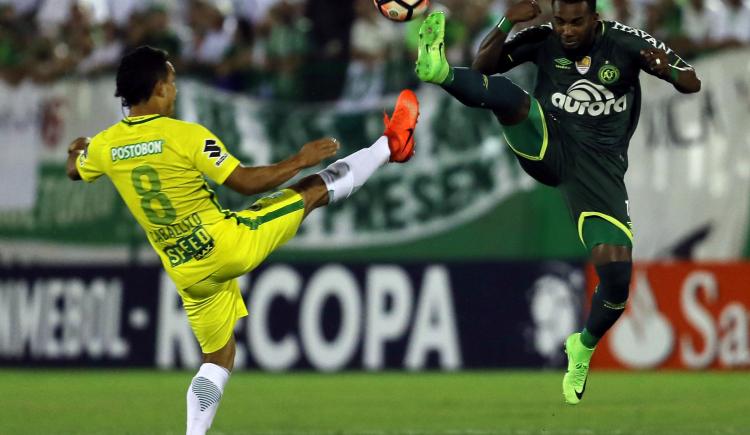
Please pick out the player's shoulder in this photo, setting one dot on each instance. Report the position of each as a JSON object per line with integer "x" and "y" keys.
{"x": 106, "y": 136}
{"x": 178, "y": 126}
{"x": 182, "y": 134}
{"x": 168, "y": 122}
{"x": 533, "y": 33}
{"x": 627, "y": 34}
{"x": 616, "y": 29}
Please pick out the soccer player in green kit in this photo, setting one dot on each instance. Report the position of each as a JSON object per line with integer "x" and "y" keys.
{"x": 573, "y": 133}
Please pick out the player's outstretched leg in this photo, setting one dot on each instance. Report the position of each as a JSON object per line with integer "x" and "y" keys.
{"x": 345, "y": 176}
{"x": 472, "y": 88}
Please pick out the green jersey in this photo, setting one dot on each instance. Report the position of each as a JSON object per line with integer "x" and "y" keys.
{"x": 596, "y": 98}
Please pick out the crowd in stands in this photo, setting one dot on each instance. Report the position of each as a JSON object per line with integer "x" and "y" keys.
{"x": 311, "y": 50}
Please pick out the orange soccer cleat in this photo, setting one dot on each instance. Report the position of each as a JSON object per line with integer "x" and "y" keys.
{"x": 399, "y": 128}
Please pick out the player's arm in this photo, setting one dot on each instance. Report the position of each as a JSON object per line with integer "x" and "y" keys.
{"x": 75, "y": 149}
{"x": 259, "y": 179}
{"x": 493, "y": 55}
{"x": 670, "y": 67}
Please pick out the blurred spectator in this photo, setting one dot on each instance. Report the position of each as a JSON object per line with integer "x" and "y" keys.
{"x": 629, "y": 12}
{"x": 237, "y": 71}
{"x": 365, "y": 77}
{"x": 108, "y": 49}
{"x": 255, "y": 11}
{"x": 285, "y": 48}
{"x": 695, "y": 29}
{"x": 120, "y": 11}
{"x": 313, "y": 50}
{"x": 77, "y": 35}
{"x": 478, "y": 20}
{"x": 696, "y": 21}
{"x": 24, "y": 9}
{"x": 134, "y": 32}
{"x": 12, "y": 50}
{"x": 157, "y": 32}
{"x": 210, "y": 39}
{"x": 326, "y": 63}
{"x": 731, "y": 25}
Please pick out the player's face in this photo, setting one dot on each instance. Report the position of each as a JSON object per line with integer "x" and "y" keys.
{"x": 574, "y": 24}
{"x": 170, "y": 90}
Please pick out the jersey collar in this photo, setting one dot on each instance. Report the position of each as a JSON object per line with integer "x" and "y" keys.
{"x": 133, "y": 120}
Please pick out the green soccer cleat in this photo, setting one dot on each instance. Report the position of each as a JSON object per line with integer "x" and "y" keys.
{"x": 432, "y": 66}
{"x": 579, "y": 356}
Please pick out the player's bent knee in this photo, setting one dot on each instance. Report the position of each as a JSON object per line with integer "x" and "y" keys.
{"x": 614, "y": 283}
{"x": 223, "y": 357}
{"x": 314, "y": 192}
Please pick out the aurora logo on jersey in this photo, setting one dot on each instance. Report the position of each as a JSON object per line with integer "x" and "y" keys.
{"x": 587, "y": 98}
{"x": 126, "y": 152}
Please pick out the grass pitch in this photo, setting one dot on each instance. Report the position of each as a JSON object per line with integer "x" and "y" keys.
{"x": 475, "y": 403}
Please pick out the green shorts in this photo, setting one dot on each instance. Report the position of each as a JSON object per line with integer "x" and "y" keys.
{"x": 592, "y": 181}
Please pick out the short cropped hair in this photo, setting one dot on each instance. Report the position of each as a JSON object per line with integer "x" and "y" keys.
{"x": 590, "y": 3}
{"x": 138, "y": 73}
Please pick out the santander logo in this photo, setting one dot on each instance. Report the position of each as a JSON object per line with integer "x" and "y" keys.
{"x": 682, "y": 316}
{"x": 643, "y": 337}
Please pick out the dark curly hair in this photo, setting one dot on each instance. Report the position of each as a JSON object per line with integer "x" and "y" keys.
{"x": 591, "y": 3}
{"x": 138, "y": 73}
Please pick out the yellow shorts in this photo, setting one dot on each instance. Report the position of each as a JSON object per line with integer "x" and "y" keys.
{"x": 214, "y": 304}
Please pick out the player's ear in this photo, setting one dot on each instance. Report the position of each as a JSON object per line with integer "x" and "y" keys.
{"x": 160, "y": 90}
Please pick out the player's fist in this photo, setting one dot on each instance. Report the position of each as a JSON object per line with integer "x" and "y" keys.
{"x": 316, "y": 151}
{"x": 524, "y": 10}
{"x": 656, "y": 61}
{"x": 78, "y": 144}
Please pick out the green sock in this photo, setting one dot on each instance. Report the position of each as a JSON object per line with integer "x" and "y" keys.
{"x": 588, "y": 340}
{"x": 475, "y": 89}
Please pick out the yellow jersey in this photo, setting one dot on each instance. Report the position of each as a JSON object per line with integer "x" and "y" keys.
{"x": 157, "y": 164}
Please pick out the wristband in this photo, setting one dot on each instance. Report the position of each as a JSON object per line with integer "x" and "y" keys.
{"x": 505, "y": 25}
{"x": 674, "y": 73}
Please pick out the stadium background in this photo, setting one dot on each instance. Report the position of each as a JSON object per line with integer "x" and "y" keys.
{"x": 457, "y": 264}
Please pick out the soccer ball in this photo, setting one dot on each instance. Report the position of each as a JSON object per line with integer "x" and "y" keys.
{"x": 401, "y": 10}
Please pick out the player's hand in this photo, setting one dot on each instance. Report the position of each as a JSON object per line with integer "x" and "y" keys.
{"x": 316, "y": 151}
{"x": 78, "y": 144}
{"x": 524, "y": 10}
{"x": 657, "y": 61}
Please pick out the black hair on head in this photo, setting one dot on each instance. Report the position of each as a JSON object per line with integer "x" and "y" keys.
{"x": 138, "y": 73}
{"x": 590, "y": 3}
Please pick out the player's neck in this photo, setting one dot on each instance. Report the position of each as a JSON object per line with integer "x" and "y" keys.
{"x": 148, "y": 108}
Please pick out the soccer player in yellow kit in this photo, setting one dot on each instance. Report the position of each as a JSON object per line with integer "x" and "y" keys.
{"x": 158, "y": 164}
